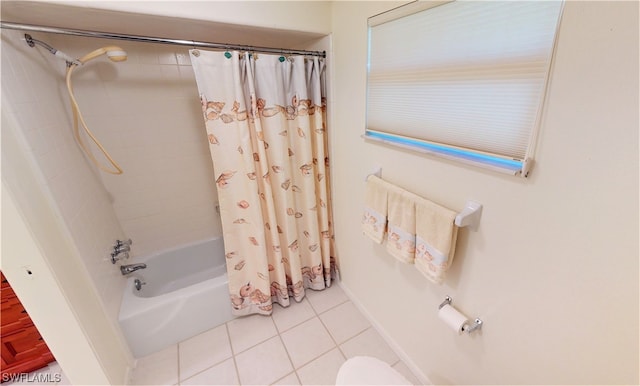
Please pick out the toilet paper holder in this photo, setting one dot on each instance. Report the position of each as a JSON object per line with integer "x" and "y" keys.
{"x": 476, "y": 325}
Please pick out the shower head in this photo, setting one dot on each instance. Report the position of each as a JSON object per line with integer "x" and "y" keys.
{"x": 117, "y": 55}
{"x": 114, "y": 53}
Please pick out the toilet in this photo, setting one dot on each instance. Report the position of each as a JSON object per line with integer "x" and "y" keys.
{"x": 369, "y": 371}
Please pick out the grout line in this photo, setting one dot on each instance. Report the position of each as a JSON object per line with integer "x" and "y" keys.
{"x": 278, "y": 380}
{"x": 332, "y": 338}
{"x": 233, "y": 356}
{"x": 326, "y": 328}
{"x": 288, "y": 355}
{"x": 295, "y": 325}
{"x": 330, "y": 308}
{"x": 178, "y": 358}
{"x": 311, "y": 360}
{"x": 210, "y": 367}
{"x": 358, "y": 334}
{"x": 297, "y": 377}
{"x": 260, "y": 342}
{"x": 335, "y": 344}
{"x": 279, "y": 334}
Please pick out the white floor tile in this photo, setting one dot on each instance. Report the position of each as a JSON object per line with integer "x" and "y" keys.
{"x": 267, "y": 349}
{"x": 344, "y": 321}
{"x": 403, "y": 369}
{"x": 203, "y": 351}
{"x": 307, "y": 341}
{"x": 369, "y": 343}
{"x": 264, "y": 363}
{"x": 322, "y": 371}
{"x": 296, "y": 313}
{"x": 159, "y": 368}
{"x": 247, "y": 331}
{"x": 289, "y": 380}
{"x": 221, "y": 374}
{"x": 327, "y": 298}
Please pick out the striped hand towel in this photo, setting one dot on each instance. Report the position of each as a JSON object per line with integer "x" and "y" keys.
{"x": 436, "y": 236}
{"x": 401, "y": 233}
{"x": 374, "y": 218}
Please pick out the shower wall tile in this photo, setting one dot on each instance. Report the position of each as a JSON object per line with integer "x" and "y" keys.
{"x": 183, "y": 59}
{"x": 33, "y": 89}
{"x": 146, "y": 112}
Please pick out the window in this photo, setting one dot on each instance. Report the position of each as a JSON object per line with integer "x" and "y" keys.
{"x": 464, "y": 79}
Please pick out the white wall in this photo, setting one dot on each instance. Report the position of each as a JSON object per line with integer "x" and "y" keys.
{"x": 26, "y": 268}
{"x": 146, "y": 112}
{"x": 553, "y": 268}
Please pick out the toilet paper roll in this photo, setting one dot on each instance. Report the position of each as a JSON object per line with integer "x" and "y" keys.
{"x": 453, "y": 318}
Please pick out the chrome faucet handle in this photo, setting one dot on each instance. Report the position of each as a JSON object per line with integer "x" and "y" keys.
{"x": 120, "y": 243}
{"x": 121, "y": 248}
{"x": 115, "y": 256}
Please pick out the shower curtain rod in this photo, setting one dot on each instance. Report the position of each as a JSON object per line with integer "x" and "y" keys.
{"x": 150, "y": 39}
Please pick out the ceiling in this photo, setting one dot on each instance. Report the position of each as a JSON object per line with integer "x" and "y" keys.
{"x": 101, "y": 20}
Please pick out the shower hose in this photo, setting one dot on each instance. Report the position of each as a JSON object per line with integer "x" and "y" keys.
{"x": 114, "y": 168}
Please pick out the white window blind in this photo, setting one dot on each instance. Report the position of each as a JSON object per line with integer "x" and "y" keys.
{"x": 464, "y": 79}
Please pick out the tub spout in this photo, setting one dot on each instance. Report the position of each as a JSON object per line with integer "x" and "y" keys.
{"x": 127, "y": 269}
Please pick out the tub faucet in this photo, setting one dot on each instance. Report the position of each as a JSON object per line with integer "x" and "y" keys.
{"x": 127, "y": 269}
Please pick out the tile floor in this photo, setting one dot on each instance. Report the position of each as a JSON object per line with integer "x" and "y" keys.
{"x": 304, "y": 344}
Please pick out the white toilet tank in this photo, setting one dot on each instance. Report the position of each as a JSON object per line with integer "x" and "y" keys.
{"x": 369, "y": 371}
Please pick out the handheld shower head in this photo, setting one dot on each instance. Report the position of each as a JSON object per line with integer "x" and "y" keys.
{"x": 117, "y": 55}
{"x": 114, "y": 53}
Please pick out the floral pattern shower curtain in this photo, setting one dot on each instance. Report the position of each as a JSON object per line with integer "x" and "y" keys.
{"x": 265, "y": 117}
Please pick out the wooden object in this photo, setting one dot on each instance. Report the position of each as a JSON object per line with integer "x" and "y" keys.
{"x": 22, "y": 348}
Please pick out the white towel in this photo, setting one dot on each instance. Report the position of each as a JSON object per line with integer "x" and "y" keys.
{"x": 374, "y": 218}
{"x": 436, "y": 236}
{"x": 401, "y": 227}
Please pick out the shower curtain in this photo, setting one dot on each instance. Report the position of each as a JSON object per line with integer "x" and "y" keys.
{"x": 265, "y": 117}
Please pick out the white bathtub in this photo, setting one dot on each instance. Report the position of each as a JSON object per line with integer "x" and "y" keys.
{"x": 186, "y": 293}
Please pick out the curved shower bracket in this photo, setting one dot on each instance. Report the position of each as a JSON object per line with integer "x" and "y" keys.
{"x": 32, "y": 43}
{"x": 29, "y": 40}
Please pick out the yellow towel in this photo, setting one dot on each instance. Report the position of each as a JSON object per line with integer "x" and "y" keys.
{"x": 374, "y": 218}
{"x": 436, "y": 236}
{"x": 401, "y": 229}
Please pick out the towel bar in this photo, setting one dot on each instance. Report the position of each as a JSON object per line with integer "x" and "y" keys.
{"x": 376, "y": 172}
{"x": 470, "y": 215}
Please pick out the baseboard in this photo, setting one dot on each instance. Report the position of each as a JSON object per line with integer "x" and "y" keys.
{"x": 390, "y": 341}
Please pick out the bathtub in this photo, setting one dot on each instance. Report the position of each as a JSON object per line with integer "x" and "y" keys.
{"x": 185, "y": 293}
